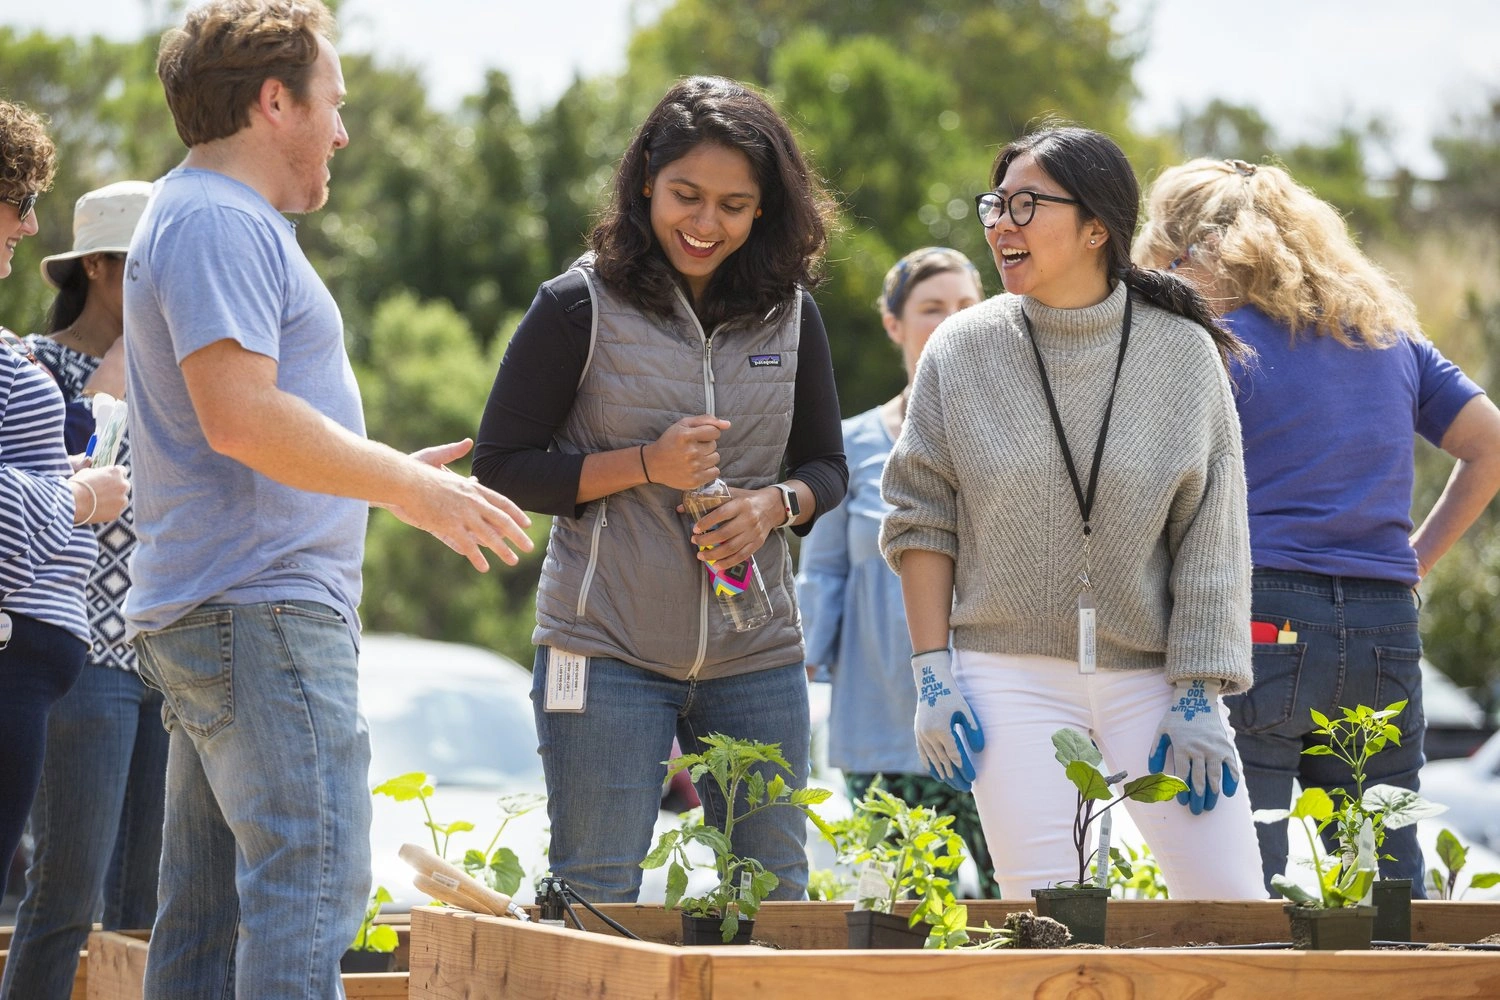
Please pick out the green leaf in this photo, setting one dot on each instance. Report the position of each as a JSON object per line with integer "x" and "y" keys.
{"x": 730, "y": 926}
{"x": 405, "y": 787}
{"x": 457, "y": 826}
{"x": 1452, "y": 853}
{"x": 755, "y": 788}
{"x": 1073, "y": 745}
{"x": 382, "y": 896}
{"x": 663, "y": 849}
{"x": 506, "y": 871}
{"x": 1484, "y": 880}
{"x": 714, "y": 839}
{"x": 1291, "y": 890}
{"x": 1313, "y": 804}
{"x": 1398, "y": 807}
{"x": 809, "y": 796}
{"x": 776, "y": 789}
{"x": 677, "y": 883}
{"x": 1154, "y": 788}
{"x": 1089, "y": 781}
{"x": 1319, "y": 750}
{"x": 1319, "y": 718}
{"x": 382, "y": 938}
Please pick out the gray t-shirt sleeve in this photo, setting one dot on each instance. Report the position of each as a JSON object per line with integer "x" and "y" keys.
{"x": 228, "y": 281}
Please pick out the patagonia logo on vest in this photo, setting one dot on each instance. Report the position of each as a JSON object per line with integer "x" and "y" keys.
{"x": 765, "y": 361}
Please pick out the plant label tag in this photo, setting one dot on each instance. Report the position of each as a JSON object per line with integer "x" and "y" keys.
{"x": 567, "y": 681}
{"x": 745, "y": 887}
{"x": 1086, "y": 651}
{"x": 875, "y": 880}
{"x": 5, "y": 629}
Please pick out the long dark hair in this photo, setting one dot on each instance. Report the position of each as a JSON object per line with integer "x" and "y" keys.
{"x": 786, "y": 243}
{"x": 68, "y": 304}
{"x": 1092, "y": 168}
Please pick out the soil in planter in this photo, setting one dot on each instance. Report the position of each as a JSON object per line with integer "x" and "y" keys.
{"x": 368, "y": 961}
{"x": 869, "y": 929}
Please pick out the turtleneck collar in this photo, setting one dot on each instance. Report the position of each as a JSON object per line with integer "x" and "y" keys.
{"x": 1077, "y": 329}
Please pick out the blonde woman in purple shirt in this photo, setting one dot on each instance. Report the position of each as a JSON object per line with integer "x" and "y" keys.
{"x": 1341, "y": 381}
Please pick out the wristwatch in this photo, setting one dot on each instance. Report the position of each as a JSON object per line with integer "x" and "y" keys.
{"x": 789, "y": 503}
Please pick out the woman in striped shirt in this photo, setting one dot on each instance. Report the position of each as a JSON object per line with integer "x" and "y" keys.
{"x": 45, "y": 550}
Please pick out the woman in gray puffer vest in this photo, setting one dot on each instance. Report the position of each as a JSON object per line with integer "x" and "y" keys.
{"x": 683, "y": 348}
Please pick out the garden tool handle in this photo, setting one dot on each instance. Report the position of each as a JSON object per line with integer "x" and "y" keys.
{"x": 476, "y": 895}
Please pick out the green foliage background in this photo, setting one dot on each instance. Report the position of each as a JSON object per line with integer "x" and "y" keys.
{"x": 442, "y": 222}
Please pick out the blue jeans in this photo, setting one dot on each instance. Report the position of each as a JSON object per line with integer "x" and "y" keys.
{"x": 37, "y": 667}
{"x": 1357, "y": 644}
{"x": 265, "y": 865}
{"x": 97, "y": 825}
{"x": 604, "y": 768}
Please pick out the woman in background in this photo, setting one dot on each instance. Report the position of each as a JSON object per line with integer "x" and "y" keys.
{"x": 851, "y": 601}
{"x": 1341, "y": 381}
{"x": 97, "y": 818}
{"x": 46, "y": 552}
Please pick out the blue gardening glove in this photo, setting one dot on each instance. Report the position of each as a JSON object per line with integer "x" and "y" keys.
{"x": 941, "y": 711}
{"x": 1202, "y": 745}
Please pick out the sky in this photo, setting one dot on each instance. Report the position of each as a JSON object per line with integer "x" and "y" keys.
{"x": 1307, "y": 65}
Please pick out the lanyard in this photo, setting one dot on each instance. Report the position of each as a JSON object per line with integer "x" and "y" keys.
{"x": 1085, "y": 499}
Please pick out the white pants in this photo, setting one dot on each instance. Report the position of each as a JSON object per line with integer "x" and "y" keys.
{"x": 1026, "y": 802}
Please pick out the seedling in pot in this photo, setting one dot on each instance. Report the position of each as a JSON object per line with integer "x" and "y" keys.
{"x": 1454, "y": 856}
{"x": 735, "y": 766}
{"x": 1077, "y": 753}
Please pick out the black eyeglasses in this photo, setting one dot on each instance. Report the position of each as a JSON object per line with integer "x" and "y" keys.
{"x": 1021, "y": 205}
{"x": 25, "y": 205}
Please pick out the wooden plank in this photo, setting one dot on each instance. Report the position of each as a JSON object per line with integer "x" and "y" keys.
{"x": 115, "y": 969}
{"x": 1107, "y": 975}
{"x": 116, "y": 965}
{"x": 462, "y": 956}
{"x": 375, "y": 986}
{"x": 457, "y": 955}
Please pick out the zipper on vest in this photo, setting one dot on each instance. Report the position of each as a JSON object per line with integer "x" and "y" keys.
{"x": 600, "y": 523}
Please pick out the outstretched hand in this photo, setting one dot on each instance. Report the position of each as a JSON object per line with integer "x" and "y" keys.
{"x": 462, "y": 514}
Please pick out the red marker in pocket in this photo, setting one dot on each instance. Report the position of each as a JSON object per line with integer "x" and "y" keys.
{"x": 1262, "y": 632}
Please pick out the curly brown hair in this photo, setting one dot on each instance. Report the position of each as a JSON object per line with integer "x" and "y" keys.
{"x": 785, "y": 247}
{"x": 212, "y": 67}
{"x": 28, "y": 159}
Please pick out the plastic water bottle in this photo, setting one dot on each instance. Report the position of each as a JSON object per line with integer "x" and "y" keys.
{"x": 740, "y": 591}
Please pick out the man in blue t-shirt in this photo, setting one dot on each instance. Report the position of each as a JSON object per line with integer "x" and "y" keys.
{"x": 255, "y": 476}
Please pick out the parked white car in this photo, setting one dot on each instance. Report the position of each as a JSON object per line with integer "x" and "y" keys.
{"x": 1470, "y": 788}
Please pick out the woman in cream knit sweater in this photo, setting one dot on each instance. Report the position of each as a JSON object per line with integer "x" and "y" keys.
{"x": 1069, "y": 497}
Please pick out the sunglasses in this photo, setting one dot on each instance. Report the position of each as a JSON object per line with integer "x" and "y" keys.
{"x": 25, "y": 205}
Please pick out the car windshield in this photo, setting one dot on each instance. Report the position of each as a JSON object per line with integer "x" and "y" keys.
{"x": 459, "y": 736}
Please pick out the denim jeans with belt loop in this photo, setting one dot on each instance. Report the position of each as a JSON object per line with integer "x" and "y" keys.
{"x": 1357, "y": 644}
{"x": 265, "y": 866}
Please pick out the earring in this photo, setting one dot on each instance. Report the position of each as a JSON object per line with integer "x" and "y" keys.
{"x": 646, "y": 191}
{"x": 1092, "y": 242}
{"x": 758, "y": 213}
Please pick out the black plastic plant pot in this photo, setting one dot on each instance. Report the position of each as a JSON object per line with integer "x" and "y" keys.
{"x": 368, "y": 961}
{"x": 1341, "y": 928}
{"x": 1392, "y": 897}
{"x": 1081, "y": 910}
{"x": 869, "y": 929}
{"x": 705, "y": 930}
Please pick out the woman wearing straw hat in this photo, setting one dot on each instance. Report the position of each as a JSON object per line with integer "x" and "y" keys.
{"x": 97, "y": 817}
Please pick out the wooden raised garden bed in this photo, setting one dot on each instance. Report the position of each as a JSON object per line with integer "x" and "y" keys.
{"x": 462, "y": 956}
{"x": 117, "y": 968}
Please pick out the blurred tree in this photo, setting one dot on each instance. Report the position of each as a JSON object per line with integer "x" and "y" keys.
{"x": 425, "y": 380}
{"x": 109, "y": 121}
